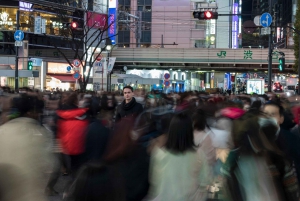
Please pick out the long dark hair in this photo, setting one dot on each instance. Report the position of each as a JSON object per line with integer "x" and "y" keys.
{"x": 180, "y": 135}
{"x": 122, "y": 142}
{"x": 199, "y": 120}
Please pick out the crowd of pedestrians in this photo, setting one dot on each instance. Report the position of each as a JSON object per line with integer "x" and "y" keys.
{"x": 137, "y": 146}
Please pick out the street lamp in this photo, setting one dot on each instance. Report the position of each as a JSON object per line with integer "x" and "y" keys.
{"x": 108, "y": 47}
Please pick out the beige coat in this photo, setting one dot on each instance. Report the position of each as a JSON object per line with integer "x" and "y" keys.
{"x": 23, "y": 157}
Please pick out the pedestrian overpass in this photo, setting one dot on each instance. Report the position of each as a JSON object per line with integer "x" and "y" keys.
{"x": 234, "y": 60}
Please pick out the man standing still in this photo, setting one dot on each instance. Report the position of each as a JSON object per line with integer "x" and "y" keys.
{"x": 129, "y": 107}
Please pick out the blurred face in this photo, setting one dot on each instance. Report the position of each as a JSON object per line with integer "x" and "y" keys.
{"x": 127, "y": 94}
{"x": 273, "y": 112}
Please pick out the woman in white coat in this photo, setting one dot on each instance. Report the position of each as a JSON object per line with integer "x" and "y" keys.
{"x": 175, "y": 169}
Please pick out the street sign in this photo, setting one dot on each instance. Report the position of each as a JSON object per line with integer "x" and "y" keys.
{"x": 76, "y": 62}
{"x": 76, "y": 75}
{"x": 167, "y": 76}
{"x": 266, "y": 20}
{"x": 69, "y": 68}
{"x": 257, "y": 20}
{"x": 18, "y": 43}
{"x": 19, "y": 35}
{"x": 99, "y": 57}
{"x": 167, "y": 83}
{"x": 265, "y": 31}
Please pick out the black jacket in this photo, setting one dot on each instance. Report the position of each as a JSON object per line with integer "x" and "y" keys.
{"x": 96, "y": 141}
{"x": 131, "y": 109}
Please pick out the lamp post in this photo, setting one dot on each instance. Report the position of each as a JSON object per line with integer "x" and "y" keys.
{"x": 108, "y": 47}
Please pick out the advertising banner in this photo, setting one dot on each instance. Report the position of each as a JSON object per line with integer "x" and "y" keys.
{"x": 112, "y": 20}
{"x": 235, "y": 26}
{"x": 96, "y": 20}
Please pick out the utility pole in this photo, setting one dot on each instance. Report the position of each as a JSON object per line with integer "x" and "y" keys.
{"x": 270, "y": 52}
{"x": 138, "y": 32}
{"x": 17, "y": 55}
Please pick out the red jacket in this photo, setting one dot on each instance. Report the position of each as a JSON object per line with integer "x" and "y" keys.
{"x": 71, "y": 130}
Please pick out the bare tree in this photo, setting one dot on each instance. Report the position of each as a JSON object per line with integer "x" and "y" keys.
{"x": 83, "y": 37}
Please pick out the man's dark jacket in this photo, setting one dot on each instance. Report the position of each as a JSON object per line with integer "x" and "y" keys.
{"x": 131, "y": 109}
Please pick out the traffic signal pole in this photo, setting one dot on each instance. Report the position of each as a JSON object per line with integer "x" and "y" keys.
{"x": 270, "y": 54}
{"x": 17, "y": 55}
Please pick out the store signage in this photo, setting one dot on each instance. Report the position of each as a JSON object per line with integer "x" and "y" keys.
{"x": 235, "y": 26}
{"x": 4, "y": 19}
{"x": 96, "y": 20}
{"x": 37, "y": 25}
{"x": 111, "y": 63}
{"x": 112, "y": 12}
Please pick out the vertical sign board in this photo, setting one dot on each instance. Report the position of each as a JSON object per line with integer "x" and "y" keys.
{"x": 37, "y": 25}
{"x": 43, "y": 26}
{"x": 112, "y": 17}
{"x": 235, "y": 26}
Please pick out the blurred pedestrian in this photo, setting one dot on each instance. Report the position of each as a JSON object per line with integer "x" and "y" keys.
{"x": 176, "y": 168}
{"x": 23, "y": 152}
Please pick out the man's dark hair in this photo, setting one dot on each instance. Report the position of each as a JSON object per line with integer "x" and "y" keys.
{"x": 180, "y": 135}
{"x": 276, "y": 104}
{"x": 128, "y": 87}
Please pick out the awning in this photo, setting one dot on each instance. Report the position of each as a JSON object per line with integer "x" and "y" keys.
{"x": 63, "y": 78}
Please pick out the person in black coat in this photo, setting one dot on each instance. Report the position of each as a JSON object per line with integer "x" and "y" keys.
{"x": 286, "y": 141}
{"x": 129, "y": 107}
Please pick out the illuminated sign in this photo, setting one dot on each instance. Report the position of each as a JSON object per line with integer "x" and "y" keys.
{"x": 95, "y": 20}
{"x": 235, "y": 26}
{"x": 25, "y": 6}
{"x": 4, "y": 19}
{"x": 112, "y": 12}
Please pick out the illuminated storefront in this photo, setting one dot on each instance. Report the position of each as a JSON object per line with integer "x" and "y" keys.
{"x": 58, "y": 77}
{"x": 54, "y": 23}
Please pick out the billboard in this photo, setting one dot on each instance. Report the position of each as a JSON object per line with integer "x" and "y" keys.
{"x": 235, "y": 26}
{"x": 112, "y": 13}
{"x": 256, "y": 86}
{"x": 96, "y": 20}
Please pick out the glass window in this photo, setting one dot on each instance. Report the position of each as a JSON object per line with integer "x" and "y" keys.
{"x": 148, "y": 8}
{"x": 127, "y": 2}
{"x": 146, "y": 16}
{"x": 141, "y": 2}
{"x": 146, "y": 37}
{"x": 140, "y": 8}
{"x": 148, "y": 2}
{"x": 127, "y": 36}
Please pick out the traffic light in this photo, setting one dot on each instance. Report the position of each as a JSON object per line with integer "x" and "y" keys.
{"x": 72, "y": 25}
{"x": 281, "y": 64}
{"x": 29, "y": 65}
{"x": 205, "y": 15}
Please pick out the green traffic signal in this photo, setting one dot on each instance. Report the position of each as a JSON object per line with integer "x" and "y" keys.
{"x": 281, "y": 64}
{"x": 30, "y": 65}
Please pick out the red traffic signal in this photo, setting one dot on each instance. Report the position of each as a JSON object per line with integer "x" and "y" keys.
{"x": 74, "y": 25}
{"x": 205, "y": 15}
{"x": 208, "y": 14}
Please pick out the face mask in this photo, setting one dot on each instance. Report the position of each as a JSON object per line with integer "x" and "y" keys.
{"x": 266, "y": 121}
